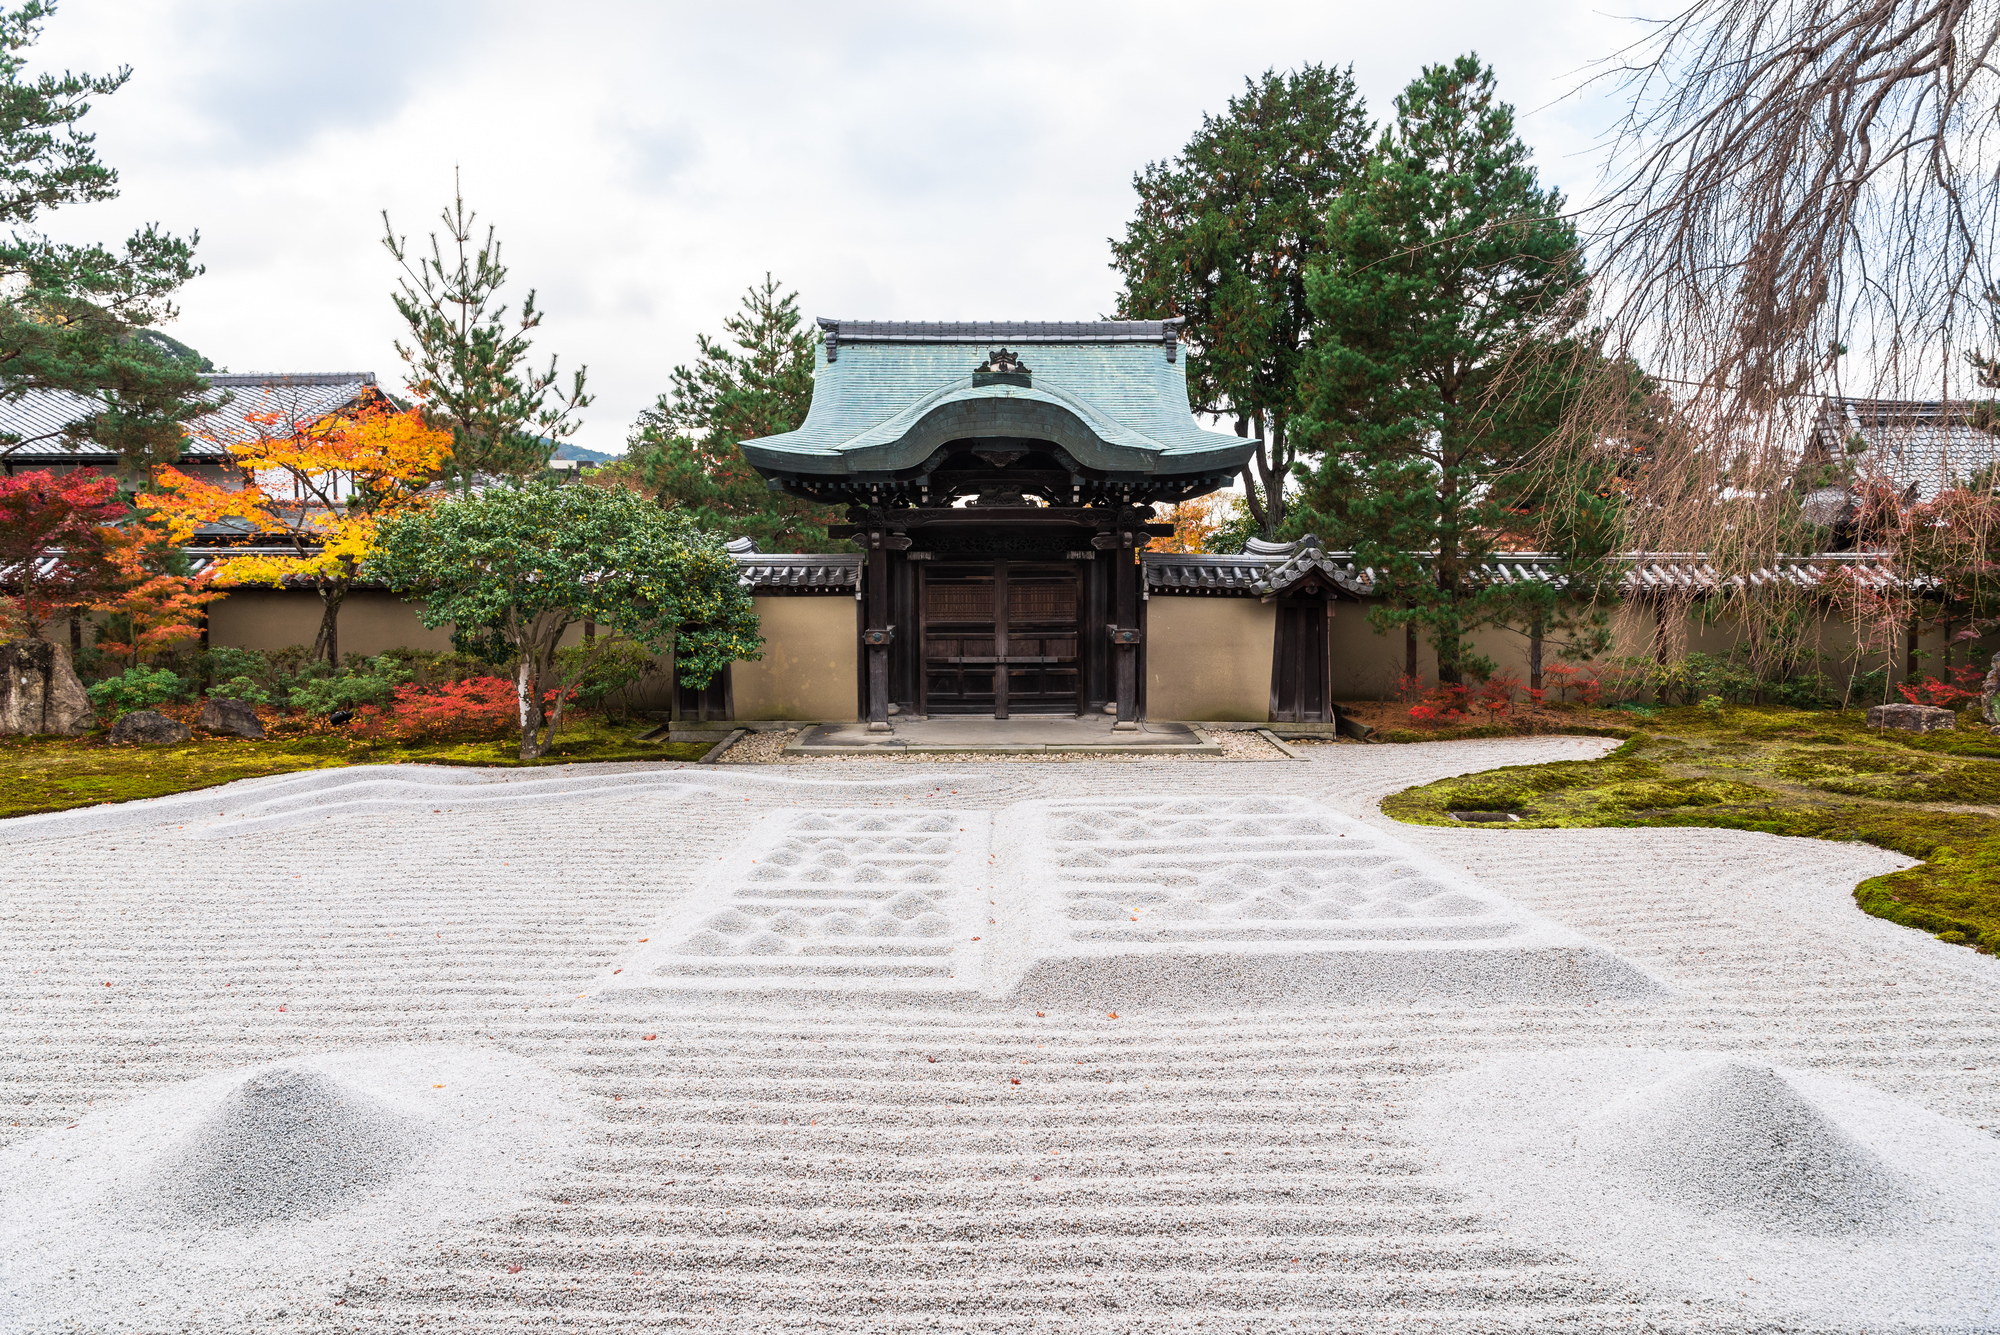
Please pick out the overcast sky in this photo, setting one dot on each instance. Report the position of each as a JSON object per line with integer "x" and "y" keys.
{"x": 645, "y": 162}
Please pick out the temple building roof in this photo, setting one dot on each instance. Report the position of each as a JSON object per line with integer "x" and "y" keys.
{"x": 888, "y": 397}
{"x": 50, "y": 426}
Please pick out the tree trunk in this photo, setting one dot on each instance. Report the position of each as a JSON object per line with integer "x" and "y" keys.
{"x": 527, "y": 688}
{"x": 75, "y": 633}
{"x": 1410, "y": 649}
{"x": 327, "y": 646}
{"x": 1535, "y": 655}
{"x": 1274, "y": 466}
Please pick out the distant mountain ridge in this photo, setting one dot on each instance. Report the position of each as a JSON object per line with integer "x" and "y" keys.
{"x": 568, "y": 451}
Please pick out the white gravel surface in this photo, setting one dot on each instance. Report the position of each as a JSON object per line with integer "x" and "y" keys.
{"x": 746, "y": 1156}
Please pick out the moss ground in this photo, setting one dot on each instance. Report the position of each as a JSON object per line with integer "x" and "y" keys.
{"x": 55, "y": 774}
{"x": 1822, "y": 775}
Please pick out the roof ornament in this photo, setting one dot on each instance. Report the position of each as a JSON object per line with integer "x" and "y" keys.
{"x": 1002, "y": 367}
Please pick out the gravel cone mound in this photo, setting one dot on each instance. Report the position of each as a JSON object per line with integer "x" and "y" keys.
{"x": 240, "y": 1199}
{"x": 289, "y": 1143}
{"x": 1815, "y": 1201}
{"x": 1735, "y": 1137}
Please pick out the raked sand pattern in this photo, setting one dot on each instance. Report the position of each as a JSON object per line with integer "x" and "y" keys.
{"x": 885, "y": 1151}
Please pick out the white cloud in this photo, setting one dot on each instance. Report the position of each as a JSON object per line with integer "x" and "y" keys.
{"x": 645, "y": 163}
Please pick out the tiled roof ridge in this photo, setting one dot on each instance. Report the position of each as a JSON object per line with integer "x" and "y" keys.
{"x": 229, "y": 378}
{"x": 987, "y": 331}
{"x": 1258, "y": 573}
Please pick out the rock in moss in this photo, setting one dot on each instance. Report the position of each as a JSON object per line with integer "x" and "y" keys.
{"x": 233, "y": 718}
{"x": 1912, "y": 718}
{"x": 149, "y": 726}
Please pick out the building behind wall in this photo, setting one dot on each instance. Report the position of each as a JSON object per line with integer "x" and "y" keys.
{"x": 1000, "y": 479}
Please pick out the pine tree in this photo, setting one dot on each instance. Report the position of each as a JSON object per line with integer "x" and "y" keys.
{"x": 1442, "y": 324}
{"x": 755, "y": 381}
{"x": 1224, "y": 237}
{"x": 469, "y": 362}
{"x": 71, "y": 313}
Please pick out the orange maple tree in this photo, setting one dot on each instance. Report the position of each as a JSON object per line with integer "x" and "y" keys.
{"x": 320, "y": 488}
{"x": 157, "y": 611}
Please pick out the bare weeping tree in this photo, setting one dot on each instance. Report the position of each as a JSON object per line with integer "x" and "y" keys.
{"x": 1801, "y": 202}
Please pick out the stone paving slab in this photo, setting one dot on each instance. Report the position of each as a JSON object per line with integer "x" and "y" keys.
{"x": 985, "y": 735}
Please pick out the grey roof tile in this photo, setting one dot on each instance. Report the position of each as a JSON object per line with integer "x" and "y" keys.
{"x": 1918, "y": 446}
{"x": 1277, "y": 566}
{"x": 40, "y": 417}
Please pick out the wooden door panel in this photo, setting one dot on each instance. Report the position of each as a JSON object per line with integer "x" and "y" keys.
{"x": 971, "y": 638}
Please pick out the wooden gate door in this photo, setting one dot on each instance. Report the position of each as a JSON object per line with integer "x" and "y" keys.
{"x": 1299, "y": 676}
{"x": 1000, "y": 638}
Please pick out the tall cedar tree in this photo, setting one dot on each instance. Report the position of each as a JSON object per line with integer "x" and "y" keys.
{"x": 1447, "y": 269}
{"x": 756, "y": 381}
{"x": 71, "y": 312}
{"x": 1224, "y": 237}
{"x": 469, "y": 361}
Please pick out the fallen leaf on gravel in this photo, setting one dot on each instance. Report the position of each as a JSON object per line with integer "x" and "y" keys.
{"x": 933, "y": 1059}
{"x": 617, "y": 971}
{"x": 651, "y": 1037}
{"x": 1114, "y": 1015}
{"x": 437, "y": 1086}
{"x": 644, "y": 939}
{"x": 1039, "y": 1014}
{"x": 1017, "y": 1079}
{"x": 513, "y": 1270}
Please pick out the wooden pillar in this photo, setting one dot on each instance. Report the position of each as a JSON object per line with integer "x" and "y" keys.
{"x": 1123, "y": 544}
{"x": 1127, "y": 568}
{"x": 877, "y": 635}
{"x": 1001, "y": 649}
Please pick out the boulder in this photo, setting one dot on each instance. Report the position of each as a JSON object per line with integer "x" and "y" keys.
{"x": 40, "y": 694}
{"x": 1989, "y": 698}
{"x": 146, "y": 725}
{"x": 1912, "y": 718}
{"x": 235, "y": 718}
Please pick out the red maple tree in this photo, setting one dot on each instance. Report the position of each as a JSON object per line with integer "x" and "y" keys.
{"x": 58, "y": 548}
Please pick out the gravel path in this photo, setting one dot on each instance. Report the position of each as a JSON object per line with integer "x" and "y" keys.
{"x": 762, "y": 1161}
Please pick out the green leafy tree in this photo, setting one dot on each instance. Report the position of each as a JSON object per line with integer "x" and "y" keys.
{"x": 72, "y": 314}
{"x": 1224, "y": 237}
{"x": 468, "y": 359}
{"x": 755, "y": 381}
{"x": 512, "y": 569}
{"x": 1441, "y": 357}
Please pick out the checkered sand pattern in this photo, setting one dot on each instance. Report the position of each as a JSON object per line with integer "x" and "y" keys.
{"x": 835, "y": 899}
{"x": 1256, "y": 868}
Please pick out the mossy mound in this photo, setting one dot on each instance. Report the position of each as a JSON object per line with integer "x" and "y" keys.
{"x": 1822, "y": 776}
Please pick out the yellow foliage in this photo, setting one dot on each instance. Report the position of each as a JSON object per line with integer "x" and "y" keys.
{"x": 1194, "y": 521}
{"x": 322, "y": 485}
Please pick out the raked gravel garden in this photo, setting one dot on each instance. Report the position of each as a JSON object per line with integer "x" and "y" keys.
{"x": 1107, "y": 1045}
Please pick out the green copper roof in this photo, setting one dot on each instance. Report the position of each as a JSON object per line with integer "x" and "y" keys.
{"x": 887, "y": 397}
